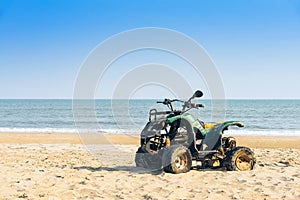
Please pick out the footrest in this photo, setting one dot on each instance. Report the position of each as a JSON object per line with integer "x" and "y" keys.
{"x": 202, "y": 154}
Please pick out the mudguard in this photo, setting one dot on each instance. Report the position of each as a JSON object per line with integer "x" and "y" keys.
{"x": 212, "y": 140}
{"x": 195, "y": 128}
{"x": 190, "y": 119}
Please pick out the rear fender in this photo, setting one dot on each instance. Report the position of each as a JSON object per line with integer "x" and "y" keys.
{"x": 213, "y": 137}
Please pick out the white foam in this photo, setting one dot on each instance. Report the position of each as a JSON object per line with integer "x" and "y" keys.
{"x": 238, "y": 132}
{"x": 262, "y": 133}
{"x": 37, "y": 130}
{"x": 67, "y": 130}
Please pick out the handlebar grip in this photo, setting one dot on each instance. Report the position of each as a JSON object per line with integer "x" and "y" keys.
{"x": 165, "y": 102}
{"x": 200, "y": 105}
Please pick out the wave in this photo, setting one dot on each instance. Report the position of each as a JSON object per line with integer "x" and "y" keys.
{"x": 128, "y": 131}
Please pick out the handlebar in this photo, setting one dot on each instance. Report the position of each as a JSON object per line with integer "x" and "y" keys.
{"x": 168, "y": 101}
{"x": 186, "y": 104}
{"x": 194, "y": 105}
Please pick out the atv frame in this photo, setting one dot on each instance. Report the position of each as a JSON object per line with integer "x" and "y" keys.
{"x": 172, "y": 139}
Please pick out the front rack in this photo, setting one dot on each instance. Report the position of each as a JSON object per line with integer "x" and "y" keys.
{"x": 154, "y": 112}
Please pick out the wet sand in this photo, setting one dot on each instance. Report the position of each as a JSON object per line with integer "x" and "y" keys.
{"x": 131, "y": 139}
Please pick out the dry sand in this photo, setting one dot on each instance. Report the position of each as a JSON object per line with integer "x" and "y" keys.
{"x": 58, "y": 166}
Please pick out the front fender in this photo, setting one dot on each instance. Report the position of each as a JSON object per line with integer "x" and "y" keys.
{"x": 194, "y": 123}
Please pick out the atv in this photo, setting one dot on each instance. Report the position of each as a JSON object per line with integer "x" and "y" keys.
{"x": 173, "y": 140}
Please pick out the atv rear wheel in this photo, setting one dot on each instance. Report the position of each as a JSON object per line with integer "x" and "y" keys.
{"x": 177, "y": 159}
{"x": 239, "y": 159}
{"x": 146, "y": 160}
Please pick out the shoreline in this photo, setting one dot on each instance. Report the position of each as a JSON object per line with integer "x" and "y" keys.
{"x": 290, "y": 142}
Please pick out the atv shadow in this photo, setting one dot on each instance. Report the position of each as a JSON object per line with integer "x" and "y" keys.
{"x": 139, "y": 170}
{"x": 132, "y": 169}
{"x": 206, "y": 169}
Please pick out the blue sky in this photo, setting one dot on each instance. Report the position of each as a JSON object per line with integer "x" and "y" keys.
{"x": 254, "y": 44}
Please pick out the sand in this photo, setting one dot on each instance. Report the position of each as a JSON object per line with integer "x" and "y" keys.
{"x": 58, "y": 166}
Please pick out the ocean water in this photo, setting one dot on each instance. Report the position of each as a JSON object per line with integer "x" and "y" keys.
{"x": 261, "y": 117}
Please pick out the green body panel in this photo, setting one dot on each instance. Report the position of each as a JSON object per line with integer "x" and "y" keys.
{"x": 213, "y": 134}
{"x": 220, "y": 127}
{"x": 232, "y": 123}
{"x": 191, "y": 119}
{"x": 217, "y": 127}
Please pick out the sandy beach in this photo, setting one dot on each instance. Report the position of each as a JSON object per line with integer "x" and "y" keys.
{"x": 59, "y": 166}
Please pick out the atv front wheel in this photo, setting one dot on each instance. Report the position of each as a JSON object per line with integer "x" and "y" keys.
{"x": 146, "y": 160}
{"x": 239, "y": 159}
{"x": 177, "y": 159}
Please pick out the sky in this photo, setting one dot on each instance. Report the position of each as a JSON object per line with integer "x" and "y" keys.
{"x": 255, "y": 44}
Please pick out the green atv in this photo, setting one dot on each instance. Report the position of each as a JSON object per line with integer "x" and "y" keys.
{"x": 172, "y": 139}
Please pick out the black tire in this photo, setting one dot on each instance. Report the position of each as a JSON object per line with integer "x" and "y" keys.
{"x": 148, "y": 161}
{"x": 140, "y": 160}
{"x": 239, "y": 159}
{"x": 177, "y": 159}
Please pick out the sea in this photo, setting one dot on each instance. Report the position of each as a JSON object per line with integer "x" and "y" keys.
{"x": 260, "y": 117}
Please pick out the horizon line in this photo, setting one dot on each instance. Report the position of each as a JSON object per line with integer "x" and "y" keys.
{"x": 144, "y": 99}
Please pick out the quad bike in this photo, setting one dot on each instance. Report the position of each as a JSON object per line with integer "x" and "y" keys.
{"x": 173, "y": 139}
